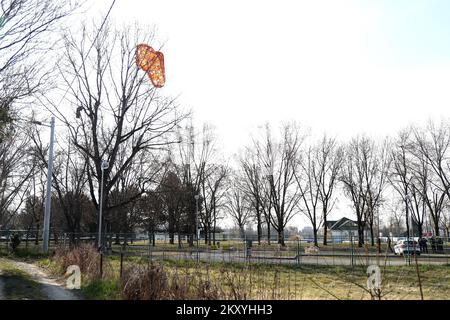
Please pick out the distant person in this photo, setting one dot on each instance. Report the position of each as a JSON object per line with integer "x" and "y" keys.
{"x": 379, "y": 245}
{"x": 389, "y": 244}
{"x": 421, "y": 244}
{"x": 433, "y": 245}
{"x": 425, "y": 245}
{"x": 440, "y": 245}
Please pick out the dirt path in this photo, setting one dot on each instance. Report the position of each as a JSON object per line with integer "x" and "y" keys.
{"x": 2, "y": 295}
{"x": 50, "y": 288}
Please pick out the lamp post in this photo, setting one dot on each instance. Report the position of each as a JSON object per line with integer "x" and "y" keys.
{"x": 104, "y": 166}
{"x": 407, "y": 199}
{"x": 197, "y": 231}
{"x": 48, "y": 197}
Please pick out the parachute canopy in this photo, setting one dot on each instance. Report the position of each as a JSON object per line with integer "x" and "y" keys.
{"x": 152, "y": 62}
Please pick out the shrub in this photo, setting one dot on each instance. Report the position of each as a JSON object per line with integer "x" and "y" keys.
{"x": 145, "y": 283}
{"x": 153, "y": 282}
{"x": 85, "y": 256}
{"x": 15, "y": 240}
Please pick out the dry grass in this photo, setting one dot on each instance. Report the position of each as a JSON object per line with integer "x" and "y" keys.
{"x": 86, "y": 257}
{"x": 180, "y": 279}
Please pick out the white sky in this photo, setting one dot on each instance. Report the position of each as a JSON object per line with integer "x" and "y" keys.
{"x": 344, "y": 67}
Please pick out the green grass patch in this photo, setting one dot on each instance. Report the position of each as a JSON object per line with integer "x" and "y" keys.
{"x": 108, "y": 289}
{"x": 24, "y": 254}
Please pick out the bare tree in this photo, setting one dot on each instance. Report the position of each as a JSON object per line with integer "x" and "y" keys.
{"x": 329, "y": 157}
{"x": 402, "y": 178}
{"x": 365, "y": 176}
{"x": 172, "y": 194}
{"x": 253, "y": 186}
{"x": 353, "y": 180}
{"x": 26, "y": 37}
{"x": 69, "y": 183}
{"x": 152, "y": 216}
{"x": 395, "y": 216}
{"x": 320, "y": 171}
{"x": 238, "y": 205}
{"x": 427, "y": 185}
{"x": 445, "y": 222}
{"x": 433, "y": 144}
{"x": 280, "y": 161}
{"x": 16, "y": 167}
{"x": 309, "y": 187}
{"x": 213, "y": 189}
{"x": 118, "y": 114}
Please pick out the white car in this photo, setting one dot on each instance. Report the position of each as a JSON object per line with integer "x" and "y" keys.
{"x": 407, "y": 247}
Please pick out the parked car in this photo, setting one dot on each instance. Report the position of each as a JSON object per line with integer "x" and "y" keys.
{"x": 407, "y": 247}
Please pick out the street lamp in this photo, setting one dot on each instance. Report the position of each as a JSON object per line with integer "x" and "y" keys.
{"x": 407, "y": 200}
{"x": 104, "y": 166}
{"x": 197, "y": 231}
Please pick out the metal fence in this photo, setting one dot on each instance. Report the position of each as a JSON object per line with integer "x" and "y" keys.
{"x": 241, "y": 250}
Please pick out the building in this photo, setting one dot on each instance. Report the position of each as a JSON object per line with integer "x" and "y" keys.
{"x": 342, "y": 229}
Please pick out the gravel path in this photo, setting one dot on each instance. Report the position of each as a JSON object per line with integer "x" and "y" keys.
{"x": 53, "y": 289}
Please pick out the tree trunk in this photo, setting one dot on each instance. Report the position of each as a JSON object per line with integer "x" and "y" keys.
{"x": 360, "y": 236}
{"x": 315, "y": 236}
{"x": 179, "y": 240}
{"x": 268, "y": 233}
{"x": 420, "y": 229}
{"x": 372, "y": 240}
{"x": 71, "y": 239}
{"x": 325, "y": 231}
{"x": 36, "y": 237}
{"x": 214, "y": 232}
{"x": 281, "y": 237}
{"x": 436, "y": 227}
{"x": 205, "y": 232}
{"x": 258, "y": 227}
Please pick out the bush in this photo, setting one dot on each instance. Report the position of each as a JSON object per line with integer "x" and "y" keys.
{"x": 152, "y": 282}
{"x": 15, "y": 240}
{"x": 145, "y": 283}
{"x": 85, "y": 256}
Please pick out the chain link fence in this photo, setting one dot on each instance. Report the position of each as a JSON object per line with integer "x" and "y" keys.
{"x": 164, "y": 246}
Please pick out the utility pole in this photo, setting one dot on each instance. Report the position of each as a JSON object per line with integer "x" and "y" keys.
{"x": 48, "y": 199}
{"x": 197, "y": 231}
{"x": 104, "y": 166}
{"x": 408, "y": 227}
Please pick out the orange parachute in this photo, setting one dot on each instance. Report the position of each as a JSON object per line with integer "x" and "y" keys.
{"x": 152, "y": 62}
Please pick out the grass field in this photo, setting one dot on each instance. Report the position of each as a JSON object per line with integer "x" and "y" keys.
{"x": 255, "y": 281}
{"x": 262, "y": 281}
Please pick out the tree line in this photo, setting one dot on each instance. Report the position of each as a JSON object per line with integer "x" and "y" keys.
{"x": 165, "y": 174}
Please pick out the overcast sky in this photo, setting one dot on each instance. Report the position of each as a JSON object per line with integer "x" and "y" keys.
{"x": 344, "y": 67}
{"x": 341, "y": 66}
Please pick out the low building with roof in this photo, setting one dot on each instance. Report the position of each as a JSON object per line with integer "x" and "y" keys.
{"x": 343, "y": 228}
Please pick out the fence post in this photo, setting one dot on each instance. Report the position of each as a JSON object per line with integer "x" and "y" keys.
{"x": 121, "y": 264}
{"x": 101, "y": 265}
{"x": 352, "y": 251}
